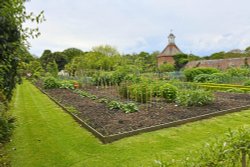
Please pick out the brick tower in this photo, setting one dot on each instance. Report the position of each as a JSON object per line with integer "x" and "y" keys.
{"x": 166, "y": 56}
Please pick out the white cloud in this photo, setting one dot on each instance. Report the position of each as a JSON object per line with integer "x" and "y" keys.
{"x": 202, "y": 27}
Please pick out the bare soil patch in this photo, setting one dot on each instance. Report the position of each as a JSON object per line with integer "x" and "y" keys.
{"x": 110, "y": 122}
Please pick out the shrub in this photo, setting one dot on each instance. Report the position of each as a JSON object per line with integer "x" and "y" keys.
{"x": 168, "y": 92}
{"x": 6, "y": 121}
{"x": 247, "y": 83}
{"x": 50, "y": 83}
{"x": 191, "y": 73}
{"x": 239, "y": 72}
{"x": 194, "y": 97}
{"x": 212, "y": 78}
{"x": 203, "y": 78}
{"x": 219, "y": 78}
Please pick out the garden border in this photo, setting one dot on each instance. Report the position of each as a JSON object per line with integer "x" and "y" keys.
{"x": 112, "y": 138}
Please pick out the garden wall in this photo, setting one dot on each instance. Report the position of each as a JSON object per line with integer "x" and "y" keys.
{"x": 220, "y": 63}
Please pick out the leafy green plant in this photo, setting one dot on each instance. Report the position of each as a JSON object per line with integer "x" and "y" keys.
{"x": 231, "y": 150}
{"x": 127, "y": 108}
{"x": 50, "y": 83}
{"x": 194, "y": 97}
{"x": 66, "y": 85}
{"x": 247, "y": 83}
{"x": 130, "y": 108}
{"x": 168, "y": 92}
{"x": 193, "y": 72}
{"x": 114, "y": 105}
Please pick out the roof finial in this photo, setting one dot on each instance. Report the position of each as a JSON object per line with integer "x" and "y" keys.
{"x": 171, "y": 31}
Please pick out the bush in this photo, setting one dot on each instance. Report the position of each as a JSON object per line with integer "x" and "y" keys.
{"x": 239, "y": 72}
{"x": 202, "y": 78}
{"x": 190, "y": 74}
{"x": 168, "y": 92}
{"x": 247, "y": 83}
{"x": 6, "y": 121}
{"x": 219, "y": 78}
{"x": 50, "y": 83}
{"x": 212, "y": 78}
{"x": 194, "y": 97}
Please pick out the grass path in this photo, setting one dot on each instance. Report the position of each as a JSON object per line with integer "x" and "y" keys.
{"x": 47, "y": 136}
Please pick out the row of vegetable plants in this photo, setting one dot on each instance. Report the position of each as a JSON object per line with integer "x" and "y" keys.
{"x": 51, "y": 83}
{"x": 145, "y": 92}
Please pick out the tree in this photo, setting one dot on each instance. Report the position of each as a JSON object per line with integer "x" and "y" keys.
{"x": 46, "y": 58}
{"x": 61, "y": 59}
{"x": 13, "y": 40}
{"x": 180, "y": 61}
{"x": 52, "y": 68}
{"x": 106, "y": 50}
{"x": 72, "y": 53}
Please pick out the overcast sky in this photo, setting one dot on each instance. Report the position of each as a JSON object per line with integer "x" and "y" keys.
{"x": 200, "y": 26}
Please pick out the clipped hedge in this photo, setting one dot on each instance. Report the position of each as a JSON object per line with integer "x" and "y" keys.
{"x": 191, "y": 73}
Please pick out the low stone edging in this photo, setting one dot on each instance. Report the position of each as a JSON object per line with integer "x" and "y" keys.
{"x": 112, "y": 138}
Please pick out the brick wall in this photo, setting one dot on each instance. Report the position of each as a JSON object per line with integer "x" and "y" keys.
{"x": 220, "y": 63}
{"x": 165, "y": 59}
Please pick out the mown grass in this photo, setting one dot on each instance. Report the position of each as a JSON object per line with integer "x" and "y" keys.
{"x": 47, "y": 136}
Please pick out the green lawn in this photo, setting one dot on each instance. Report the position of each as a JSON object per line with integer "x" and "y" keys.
{"x": 47, "y": 136}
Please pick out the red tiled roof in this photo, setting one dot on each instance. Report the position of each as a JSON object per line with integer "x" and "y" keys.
{"x": 170, "y": 50}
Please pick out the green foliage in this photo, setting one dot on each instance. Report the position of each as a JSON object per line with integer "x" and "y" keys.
{"x": 6, "y": 121}
{"x": 13, "y": 41}
{"x": 71, "y": 53}
{"x": 6, "y": 125}
{"x": 125, "y": 107}
{"x": 67, "y": 84}
{"x": 180, "y": 61}
{"x": 106, "y": 50}
{"x": 144, "y": 91}
{"x": 203, "y": 78}
{"x": 52, "y": 68}
{"x": 168, "y": 92}
{"x": 239, "y": 72}
{"x": 212, "y": 78}
{"x": 193, "y": 72}
{"x": 140, "y": 92}
{"x": 247, "y": 83}
{"x": 51, "y": 83}
{"x": 235, "y": 90}
{"x": 166, "y": 67}
{"x": 194, "y": 97}
{"x": 233, "y": 150}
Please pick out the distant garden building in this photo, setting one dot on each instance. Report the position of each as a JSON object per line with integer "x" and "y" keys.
{"x": 167, "y": 55}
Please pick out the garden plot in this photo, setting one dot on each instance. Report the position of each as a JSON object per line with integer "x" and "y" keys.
{"x": 111, "y": 122}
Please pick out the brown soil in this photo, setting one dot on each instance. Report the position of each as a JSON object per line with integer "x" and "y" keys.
{"x": 110, "y": 122}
